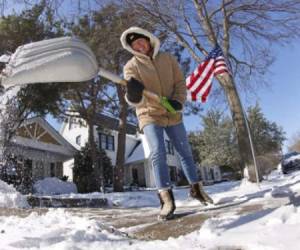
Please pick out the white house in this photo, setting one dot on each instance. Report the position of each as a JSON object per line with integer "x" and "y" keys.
{"x": 35, "y": 152}
{"x": 210, "y": 174}
{"x": 138, "y": 170}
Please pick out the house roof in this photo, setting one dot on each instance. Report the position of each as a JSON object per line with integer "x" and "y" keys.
{"x": 137, "y": 154}
{"x": 37, "y": 133}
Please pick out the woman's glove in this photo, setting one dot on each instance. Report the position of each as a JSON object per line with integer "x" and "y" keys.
{"x": 175, "y": 104}
{"x": 134, "y": 90}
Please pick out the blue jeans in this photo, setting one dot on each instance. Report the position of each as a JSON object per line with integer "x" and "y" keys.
{"x": 178, "y": 137}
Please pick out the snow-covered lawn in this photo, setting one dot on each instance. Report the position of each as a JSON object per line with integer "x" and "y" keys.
{"x": 270, "y": 228}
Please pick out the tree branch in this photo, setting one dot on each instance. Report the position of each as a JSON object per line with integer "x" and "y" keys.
{"x": 191, "y": 33}
{"x": 226, "y": 37}
{"x": 204, "y": 19}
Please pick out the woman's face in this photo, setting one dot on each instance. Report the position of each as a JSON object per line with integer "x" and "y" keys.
{"x": 141, "y": 45}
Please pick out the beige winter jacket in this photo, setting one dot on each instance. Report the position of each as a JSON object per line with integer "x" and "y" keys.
{"x": 161, "y": 75}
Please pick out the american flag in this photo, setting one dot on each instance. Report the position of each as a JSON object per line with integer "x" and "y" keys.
{"x": 200, "y": 81}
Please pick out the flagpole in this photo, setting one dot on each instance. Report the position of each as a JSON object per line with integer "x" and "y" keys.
{"x": 250, "y": 138}
{"x": 216, "y": 61}
{"x": 251, "y": 146}
{"x": 249, "y": 134}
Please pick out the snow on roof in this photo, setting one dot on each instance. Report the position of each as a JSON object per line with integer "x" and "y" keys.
{"x": 4, "y": 58}
{"x": 141, "y": 152}
{"x": 292, "y": 158}
{"x": 137, "y": 155}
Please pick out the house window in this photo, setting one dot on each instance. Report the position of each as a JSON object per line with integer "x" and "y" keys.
{"x": 206, "y": 174}
{"x": 59, "y": 169}
{"x": 212, "y": 174}
{"x": 71, "y": 123}
{"x": 52, "y": 169}
{"x": 169, "y": 147}
{"x": 135, "y": 176}
{"x": 78, "y": 140}
{"x": 106, "y": 141}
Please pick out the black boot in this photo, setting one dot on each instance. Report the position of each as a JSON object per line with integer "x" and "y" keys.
{"x": 167, "y": 204}
{"x": 198, "y": 193}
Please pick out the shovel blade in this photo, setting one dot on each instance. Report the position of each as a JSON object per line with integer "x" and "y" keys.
{"x": 65, "y": 59}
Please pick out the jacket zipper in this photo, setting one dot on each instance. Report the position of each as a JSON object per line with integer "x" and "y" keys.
{"x": 156, "y": 71}
{"x": 160, "y": 84}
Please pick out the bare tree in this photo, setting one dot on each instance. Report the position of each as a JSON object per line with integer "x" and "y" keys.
{"x": 245, "y": 30}
{"x": 294, "y": 143}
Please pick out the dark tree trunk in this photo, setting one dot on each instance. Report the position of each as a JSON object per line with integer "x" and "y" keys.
{"x": 237, "y": 113}
{"x": 96, "y": 159}
{"x": 118, "y": 182}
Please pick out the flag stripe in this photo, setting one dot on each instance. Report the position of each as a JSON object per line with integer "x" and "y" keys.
{"x": 205, "y": 81}
{"x": 202, "y": 76}
{"x": 205, "y": 94}
{"x": 221, "y": 71}
{"x": 204, "y": 89}
{"x": 199, "y": 83}
{"x": 198, "y": 74}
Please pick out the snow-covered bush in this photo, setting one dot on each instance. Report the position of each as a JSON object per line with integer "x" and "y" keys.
{"x": 53, "y": 185}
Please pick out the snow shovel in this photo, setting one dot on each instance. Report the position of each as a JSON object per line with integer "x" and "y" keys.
{"x": 65, "y": 59}
{"x": 115, "y": 78}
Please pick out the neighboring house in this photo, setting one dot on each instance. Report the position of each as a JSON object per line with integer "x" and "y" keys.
{"x": 210, "y": 174}
{"x": 35, "y": 152}
{"x": 138, "y": 168}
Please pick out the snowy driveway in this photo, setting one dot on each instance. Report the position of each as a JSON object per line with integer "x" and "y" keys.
{"x": 256, "y": 218}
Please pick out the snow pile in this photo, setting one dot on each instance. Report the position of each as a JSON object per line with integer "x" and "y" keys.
{"x": 276, "y": 174}
{"x": 57, "y": 229}
{"x": 292, "y": 158}
{"x": 281, "y": 192}
{"x": 10, "y": 198}
{"x": 247, "y": 185}
{"x": 53, "y": 185}
{"x": 124, "y": 199}
{"x": 266, "y": 229}
{"x": 133, "y": 199}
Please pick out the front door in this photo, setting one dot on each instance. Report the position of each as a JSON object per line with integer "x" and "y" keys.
{"x": 27, "y": 176}
{"x": 135, "y": 176}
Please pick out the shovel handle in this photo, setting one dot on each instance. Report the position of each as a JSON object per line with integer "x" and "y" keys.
{"x": 159, "y": 99}
{"x": 162, "y": 100}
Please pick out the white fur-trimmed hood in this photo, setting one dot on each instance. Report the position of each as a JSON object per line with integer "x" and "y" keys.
{"x": 154, "y": 41}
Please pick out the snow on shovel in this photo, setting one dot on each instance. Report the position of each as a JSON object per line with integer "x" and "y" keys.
{"x": 65, "y": 59}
